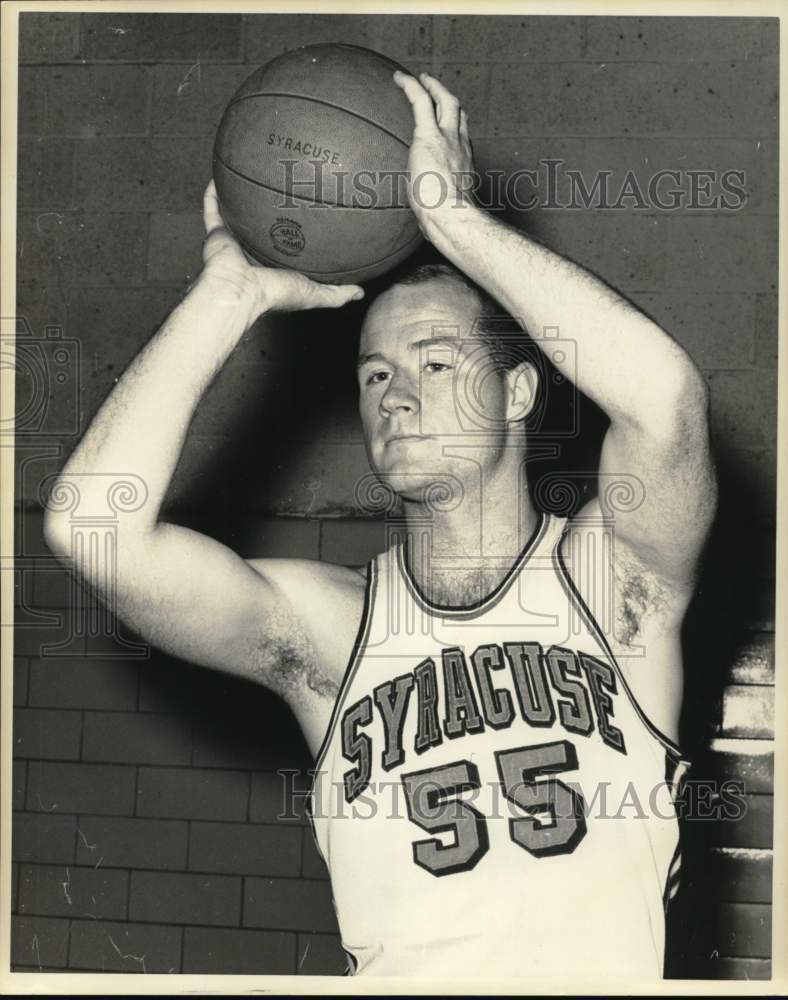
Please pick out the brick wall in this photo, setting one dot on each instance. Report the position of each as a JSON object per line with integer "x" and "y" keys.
{"x": 145, "y": 790}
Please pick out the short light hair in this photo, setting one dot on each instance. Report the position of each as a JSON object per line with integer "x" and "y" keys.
{"x": 509, "y": 341}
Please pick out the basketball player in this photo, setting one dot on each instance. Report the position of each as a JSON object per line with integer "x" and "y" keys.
{"x": 485, "y": 697}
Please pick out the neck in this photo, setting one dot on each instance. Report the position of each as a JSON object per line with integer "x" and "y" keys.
{"x": 485, "y": 530}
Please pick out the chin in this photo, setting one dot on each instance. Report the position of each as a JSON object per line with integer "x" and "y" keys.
{"x": 410, "y": 482}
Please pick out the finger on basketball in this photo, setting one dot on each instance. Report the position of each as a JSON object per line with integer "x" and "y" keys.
{"x": 212, "y": 217}
{"x": 448, "y": 105}
{"x": 420, "y": 100}
{"x": 333, "y": 296}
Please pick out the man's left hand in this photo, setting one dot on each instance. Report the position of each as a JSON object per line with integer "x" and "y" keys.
{"x": 440, "y": 164}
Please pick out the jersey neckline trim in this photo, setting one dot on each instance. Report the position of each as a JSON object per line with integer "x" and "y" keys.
{"x": 353, "y": 661}
{"x": 593, "y": 626}
{"x": 486, "y": 603}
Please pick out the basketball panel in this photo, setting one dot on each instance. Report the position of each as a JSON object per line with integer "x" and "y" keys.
{"x": 345, "y": 76}
{"x": 291, "y": 144}
{"x": 320, "y": 241}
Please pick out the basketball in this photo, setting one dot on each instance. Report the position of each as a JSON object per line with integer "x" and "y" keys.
{"x": 309, "y": 164}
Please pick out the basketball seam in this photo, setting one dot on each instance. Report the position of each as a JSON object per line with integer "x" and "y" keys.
{"x": 325, "y": 274}
{"x": 327, "y": 104}
{"x": 312, "y": 201}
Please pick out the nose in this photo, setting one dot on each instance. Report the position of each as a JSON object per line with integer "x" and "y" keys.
{"x": 398, "y": 397}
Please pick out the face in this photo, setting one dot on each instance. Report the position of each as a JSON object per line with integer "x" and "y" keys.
{"x": 427, "y": 384}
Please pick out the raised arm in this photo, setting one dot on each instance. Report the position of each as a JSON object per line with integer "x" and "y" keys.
{"x": 182, "y": 591}
{"x": 644, "y": 381}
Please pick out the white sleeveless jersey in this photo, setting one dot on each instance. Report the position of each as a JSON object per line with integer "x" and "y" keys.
{"x": 489, "y": 798}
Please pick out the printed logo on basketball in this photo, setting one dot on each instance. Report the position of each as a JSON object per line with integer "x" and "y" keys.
{"x": 287, "y": 236}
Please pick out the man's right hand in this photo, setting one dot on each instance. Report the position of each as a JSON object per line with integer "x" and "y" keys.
{"x": 263, "y": 289}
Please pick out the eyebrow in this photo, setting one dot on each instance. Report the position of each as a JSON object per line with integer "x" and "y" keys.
{"x": 452, "y": 342}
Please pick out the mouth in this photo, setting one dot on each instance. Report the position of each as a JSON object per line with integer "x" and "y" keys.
{"x": 406, "y": 437}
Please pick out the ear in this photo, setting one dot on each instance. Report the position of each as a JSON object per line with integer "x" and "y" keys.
{"x": 522, "y": 386}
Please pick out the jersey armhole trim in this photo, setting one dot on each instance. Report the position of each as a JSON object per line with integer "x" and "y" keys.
{"x": 573, "y": 593}
{"x": 355, "y": 657}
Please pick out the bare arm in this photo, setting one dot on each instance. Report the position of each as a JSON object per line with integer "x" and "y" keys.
{"x": 645, "y": 382}
{"x": 180, "y": 590}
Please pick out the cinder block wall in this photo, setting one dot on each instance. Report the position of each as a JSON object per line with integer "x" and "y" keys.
{"x": 146, "y": 797}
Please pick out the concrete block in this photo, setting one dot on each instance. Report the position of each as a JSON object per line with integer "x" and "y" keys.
{"x": 312, "y": 865}
{"x": 233, "y": 400}
{"x": 82, "y": 249}
{"x": 279, "y": 537}
{"x": 236, "y": 743}
{"x": 750, "y": 762}
{"x": 324, "y": 477}
{"x": 214, "y": 900}
{"x": 19, "y": 779}
{"x": 46, "y": 733}
{"x": 124, "y": 947}
{"x": 645, "y": 98}
{"x": 112, "y": 326}
{"x": 191, "y": 100}
{"x": 400, "y": 37}
{"x": 744, "y": 408}
{"x": 321, "y": 955}
{"x": 56, "y": 683}
{"x": 137, "y": 37}
{"x": 289, "y": 904}
{"x": 649, "y": 253}
{"x": 766, "y": 336}
{"x": 669, "y": 39}
{"x": 104, "y": 789}
{"x": 52, "y": 891}
{"x": 39, "y": 943}
{"x": 39, "y": 636}
{"x": 279, "y": 798}
{"x": 742, "y": 876}
{"x": 137, "y": 739}
{"x": 242, "y": 849}
{"x": 496, "y": 37}
{"x": 623, "y": 176}
{"x": 470, "y": 83}
{"x": 43, "y": 838}
{"x": 88, "y": 101}
{"x": 713, "y": 252}
{"x": 160, "y": 174}
{"x": 178, "y": 793}
{"x": 175, "y": 247}
{"x": 238, "y": 952}
{"x": 48, "y": 37}
{"x": 752, "y": 829}
{"x": 748, "y": 712}
{"x": 757, "y": 467}
{"x": 172, "y": 685}
{"x": 21, "y": 670}
{"x": 132, "y": 843}
{"x": 45, "y": 175}
{"x": 745, "y": 929}
{"x": 754, "y": 662}
{"x": 56, "y": 588}
{"x": 717, "y": 330}
{"x": 352, "y": 542}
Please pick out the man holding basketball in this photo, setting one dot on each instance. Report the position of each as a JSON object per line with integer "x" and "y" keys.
{"x": 469, "y": 694}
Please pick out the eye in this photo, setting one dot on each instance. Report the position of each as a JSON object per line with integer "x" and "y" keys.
{"x": 437, "y": 366}
{"x": 376, "y": 377}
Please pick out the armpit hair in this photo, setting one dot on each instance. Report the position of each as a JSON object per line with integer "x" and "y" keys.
{"x": 639, "y": 594}
{"x": 289, "y": 664}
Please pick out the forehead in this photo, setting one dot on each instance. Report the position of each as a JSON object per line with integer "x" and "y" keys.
{"x": 440, "y": 307}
